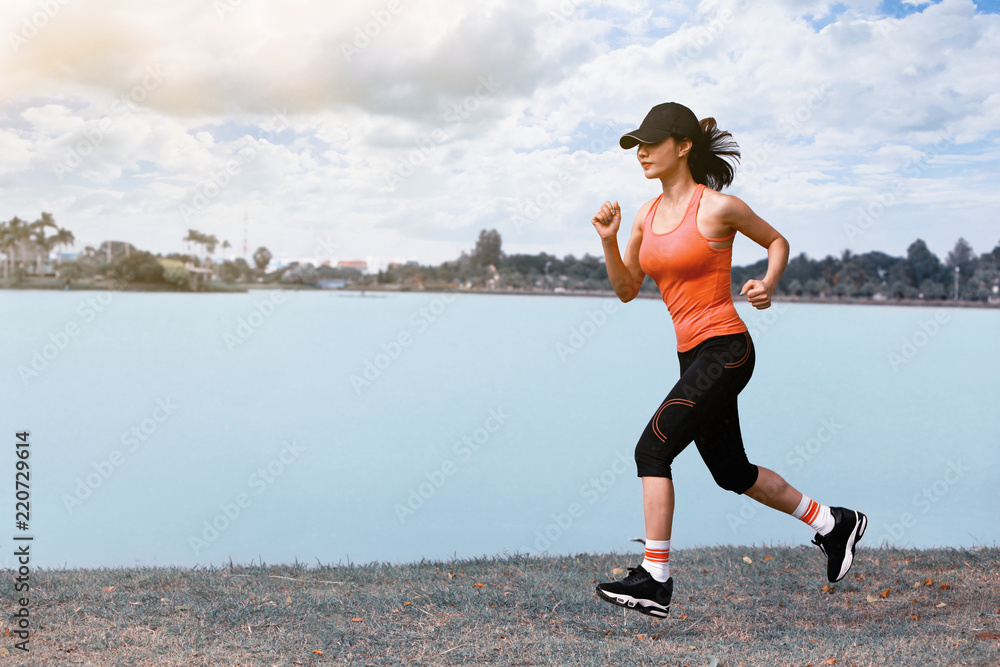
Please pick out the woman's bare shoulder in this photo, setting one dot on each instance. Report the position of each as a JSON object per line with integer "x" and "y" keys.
{"x": 722, "y": 206}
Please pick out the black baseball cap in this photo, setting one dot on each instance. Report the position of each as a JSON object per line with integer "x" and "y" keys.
{"x": 662, "y": 121}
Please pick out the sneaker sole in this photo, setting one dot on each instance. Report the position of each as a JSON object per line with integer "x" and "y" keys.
{"x": 859, "y": 531}
{"x": 629, "y": 602}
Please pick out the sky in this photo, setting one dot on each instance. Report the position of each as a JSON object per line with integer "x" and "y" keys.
{"x": 396, "y": 130}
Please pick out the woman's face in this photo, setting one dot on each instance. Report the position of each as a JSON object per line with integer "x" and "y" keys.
{"x": 662, "y": 158}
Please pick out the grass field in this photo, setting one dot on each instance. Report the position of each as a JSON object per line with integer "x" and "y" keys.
{"x": 896, "y": 607}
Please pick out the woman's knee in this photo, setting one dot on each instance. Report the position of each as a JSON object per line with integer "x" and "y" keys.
{"x": 736, "y": 478}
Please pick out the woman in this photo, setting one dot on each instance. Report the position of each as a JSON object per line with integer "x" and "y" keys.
{"x": 683, "y": 240}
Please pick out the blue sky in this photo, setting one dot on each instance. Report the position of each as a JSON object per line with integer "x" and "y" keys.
{"x": 864, "y": 124}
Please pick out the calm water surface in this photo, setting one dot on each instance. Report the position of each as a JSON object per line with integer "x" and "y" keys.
{"x": 186, "y": 429}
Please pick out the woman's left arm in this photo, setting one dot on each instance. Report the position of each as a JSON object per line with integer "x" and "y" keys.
{"x": 738, "y": 215}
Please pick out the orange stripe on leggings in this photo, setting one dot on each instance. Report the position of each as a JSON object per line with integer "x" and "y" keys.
{"x": 656, "y": 417}
{"x": 745, "y": 354}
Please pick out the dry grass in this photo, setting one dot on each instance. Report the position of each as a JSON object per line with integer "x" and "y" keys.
{"x": 942, "y": 608}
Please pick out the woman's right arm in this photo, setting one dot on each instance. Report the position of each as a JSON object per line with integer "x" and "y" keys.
{"x": 625, "y": 274}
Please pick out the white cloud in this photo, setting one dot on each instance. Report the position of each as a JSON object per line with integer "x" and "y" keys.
{"x": 453, "y": 117}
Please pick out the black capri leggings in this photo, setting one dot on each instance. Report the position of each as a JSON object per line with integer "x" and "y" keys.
{"x": 702, "y": 407}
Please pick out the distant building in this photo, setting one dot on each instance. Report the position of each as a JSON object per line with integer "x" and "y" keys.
{"x": 359, "y": 264}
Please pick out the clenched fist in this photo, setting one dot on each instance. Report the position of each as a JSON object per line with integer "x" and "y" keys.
{"x": 607, "y": 220}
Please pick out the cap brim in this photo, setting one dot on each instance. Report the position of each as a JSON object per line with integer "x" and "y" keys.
{"x": 641, "y": 136}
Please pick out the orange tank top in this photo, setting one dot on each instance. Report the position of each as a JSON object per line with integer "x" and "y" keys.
{"x": 693, "y": 277}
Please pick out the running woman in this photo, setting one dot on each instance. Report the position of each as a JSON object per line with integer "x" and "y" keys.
{"x": 683, "y": 240}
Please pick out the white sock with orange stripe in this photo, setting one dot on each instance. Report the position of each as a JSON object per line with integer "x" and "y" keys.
{"x": 816, "y": 515}
{"x": 657, "y": 560}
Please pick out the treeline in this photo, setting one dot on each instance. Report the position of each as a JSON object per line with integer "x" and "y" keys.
{"x": 873, "y": 275}
{"x": 919, "y": 275}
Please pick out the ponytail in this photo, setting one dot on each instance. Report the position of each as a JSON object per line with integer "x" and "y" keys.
{"x": 713, "y": 155}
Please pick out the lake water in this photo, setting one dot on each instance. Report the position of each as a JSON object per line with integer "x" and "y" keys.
{"x": 183, "y": 429}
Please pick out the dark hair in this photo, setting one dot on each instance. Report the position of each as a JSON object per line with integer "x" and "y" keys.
{"x": 708, "y": 157}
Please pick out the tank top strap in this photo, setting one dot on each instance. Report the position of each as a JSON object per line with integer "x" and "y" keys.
{"x": 692, "y": 207}
{"x": 652, "y": 212}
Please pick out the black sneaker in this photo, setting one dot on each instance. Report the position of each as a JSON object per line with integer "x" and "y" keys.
{"x": 838, "y": 544}
{"x": 639, "y": 591}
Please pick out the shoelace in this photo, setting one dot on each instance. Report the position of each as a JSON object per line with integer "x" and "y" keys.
{"x": 633, "y": 575}
{"x": 816, "y": 541}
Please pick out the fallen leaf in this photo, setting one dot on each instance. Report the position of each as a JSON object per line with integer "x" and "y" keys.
{"x": 355, "y": 620}
{"x": 682, "y": 616}
{"x": 940, "y": 604}
{"x": 618, "y": 572}
{"x": 928, "y": 582}
{"x": 318, "y": 652}
{"x": 914, "y": 617}
{"x": 884, "y": 594}
{"x": 288, "y": 599}
{"x": 767, "y": 558}
{"x": 945, "y": 587}
{"x": 989, "y": 634}
{"x": 593, "y": 581}
{"x": 640, "y": 636}
{"x": 829, "y": 589}
{"x": 108, "y": 589}
{"x": 407, "y": 604}
{"x": 917, "y": 584}
{"x": 747, "y": 560}
{"x": 872, "y": 598}
{"x": 479, "y": 585}
{"x": 831, "y": 661}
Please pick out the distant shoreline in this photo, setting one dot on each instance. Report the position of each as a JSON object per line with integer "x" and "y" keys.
{"x": 243, "y": 288}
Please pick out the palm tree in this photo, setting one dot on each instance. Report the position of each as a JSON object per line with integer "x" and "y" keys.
{"x": 43, "y": 242}
{"x": 61, "y": 238}
{"x": 17, "y": 232}
{"x": 5, "y": 244}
